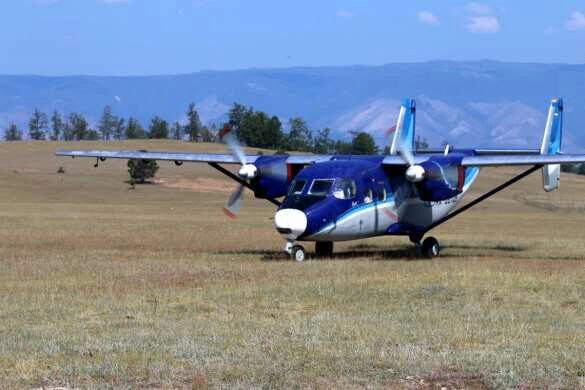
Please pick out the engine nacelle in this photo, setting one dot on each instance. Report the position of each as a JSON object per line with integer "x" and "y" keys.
{"x": 444, "y": 178}
{"x": 273, "y": 178}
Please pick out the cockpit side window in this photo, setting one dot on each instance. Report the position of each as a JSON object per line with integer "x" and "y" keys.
{"x": 297, "y": 187}
{"x": 321, "y": 187}
{"x": 344, "y": 189}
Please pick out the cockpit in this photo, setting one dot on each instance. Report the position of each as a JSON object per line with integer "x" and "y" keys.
{"x": 339, "y": 188}
{"x": 304, "y": 193}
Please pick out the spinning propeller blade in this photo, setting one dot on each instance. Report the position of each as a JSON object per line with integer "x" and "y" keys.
{"x": 234, "y": 202}
{"x": 247, "y": 171}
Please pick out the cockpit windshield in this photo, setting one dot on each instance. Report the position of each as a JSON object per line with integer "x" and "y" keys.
{"x": 321, "y": 187}
{"x": 344, "y": 189}
{"x": 297, "y": 187}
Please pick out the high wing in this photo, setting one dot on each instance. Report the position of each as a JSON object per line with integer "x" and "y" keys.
{"x": 163, "y": 156}
{"x": 184, "y": 157}
{"x": 499, "y": 160}
{"x": 503, "y": 160}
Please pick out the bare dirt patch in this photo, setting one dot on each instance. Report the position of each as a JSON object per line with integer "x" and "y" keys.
{"x": 203, "y": 184}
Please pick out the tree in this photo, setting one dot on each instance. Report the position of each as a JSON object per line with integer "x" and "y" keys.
{"x": 342, "y": 147}
{"x": 37, "y": 125}
{"x": 56, "y": 126}
{"x": 12, "y": 133}
{"x": 141, "y": 170}
{"x": 107, "y": 123}
{"x": 193, "y": 127}
{"x": 259, "y": 130}
{"x": 363, "y": 143}
{"x": 299, "y": 136}
{"x": 207, "y": 134}
{"x": 119, "y": 128}
{"x": 236, "y": 116}
{"x": 134, "y": 130}
{"x": 421, "y": 144}
{"x": 77, "y": 128}
{"x": 323, "y": 143}
{"x": 177, "y": 131}
{"x": 159, "y": 128}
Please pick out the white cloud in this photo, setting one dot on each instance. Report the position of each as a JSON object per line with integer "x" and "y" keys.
{"x": 576, "y": 21}
{"x": 344, "y": 14}
{"x": 482, "y": 24}
{"x": 479, "y": 9}
{"x": 426, "y": 17}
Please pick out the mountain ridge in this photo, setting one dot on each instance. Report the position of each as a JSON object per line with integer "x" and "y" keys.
{"x": 466, "y": 103}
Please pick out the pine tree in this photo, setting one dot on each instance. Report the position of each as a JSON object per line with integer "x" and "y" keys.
{"x": 299, "y": 135}
{"x": 12, "y": 133}
{"x": 56, "y": 126}
{"x": 323, "y": 143}
{"x": 193, "y": 127}
{"x": 141, "y": 170}
{"x": 37, "y": 125}
{"x": 77, "y": 128}
{"x": 159, "y": 128}
{"x": 134, "y": 130}
{"x": 107, "y": 124}
{"x": 119, "y": 128}
{"x": 363, "y": 143}
{"x": 177, "y": 131}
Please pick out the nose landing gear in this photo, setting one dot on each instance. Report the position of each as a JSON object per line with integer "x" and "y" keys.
{"x": 296, "y": 252}
{"x": 429, "y": 248}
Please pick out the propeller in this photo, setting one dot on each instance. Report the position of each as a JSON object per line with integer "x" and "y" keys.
{"x": 246, "y": 171}
{"x": 414, "y": 173}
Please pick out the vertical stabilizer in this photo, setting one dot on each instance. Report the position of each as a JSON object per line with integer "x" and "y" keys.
{"x": 551, "y": 144}
{"x": 404, "y": 130}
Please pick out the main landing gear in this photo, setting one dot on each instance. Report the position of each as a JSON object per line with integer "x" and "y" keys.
{"x": 429, "y": 248}
{"x": 298, "y": 253}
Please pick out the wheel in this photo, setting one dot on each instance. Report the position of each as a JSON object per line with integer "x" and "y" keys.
{"x": 298, "y": 253}
{"x": 324, "y": 248}
{"x": 431, "y": 247}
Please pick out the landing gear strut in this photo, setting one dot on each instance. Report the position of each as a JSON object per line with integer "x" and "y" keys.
{"x": 324, "y": 248}
{"x": 429, "y": 248}
{"x": 298, "y": 253}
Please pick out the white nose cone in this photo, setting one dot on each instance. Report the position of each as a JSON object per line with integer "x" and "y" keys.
{"x": 291, "y": 223}
{"x": 248, "y": 171}
{"x": 415, "y": 173}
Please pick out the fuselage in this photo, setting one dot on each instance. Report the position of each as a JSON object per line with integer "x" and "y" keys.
{"x": 353, "y": 198}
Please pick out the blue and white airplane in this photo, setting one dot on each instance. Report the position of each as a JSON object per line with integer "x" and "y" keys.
{"x": 328, "y": 198}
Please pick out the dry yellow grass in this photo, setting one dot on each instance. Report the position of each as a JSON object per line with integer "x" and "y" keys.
{"x": 103, "y": 286}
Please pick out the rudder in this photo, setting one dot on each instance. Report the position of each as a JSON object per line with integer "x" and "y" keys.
{"x": 551, "y": 144}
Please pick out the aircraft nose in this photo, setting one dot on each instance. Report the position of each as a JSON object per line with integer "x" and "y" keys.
{"x": 291, "y": 223}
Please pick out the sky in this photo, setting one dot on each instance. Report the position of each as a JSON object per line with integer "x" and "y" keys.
{"x": 155, "y": 37}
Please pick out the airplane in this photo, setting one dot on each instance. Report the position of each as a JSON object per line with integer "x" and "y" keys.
{"x": 330, "y": 198}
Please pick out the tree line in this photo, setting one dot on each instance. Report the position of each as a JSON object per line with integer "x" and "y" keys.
{"x": 252, "y": 128}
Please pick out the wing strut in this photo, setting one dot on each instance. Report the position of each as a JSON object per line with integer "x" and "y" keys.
{"x": 236, "y": 178}
{"x": 475, "y": 202}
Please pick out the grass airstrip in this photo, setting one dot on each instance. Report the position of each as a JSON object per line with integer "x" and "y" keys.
{"x": 102, "y": 285}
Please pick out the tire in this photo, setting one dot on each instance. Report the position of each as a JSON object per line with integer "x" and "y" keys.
{"x": 324, "y": 248}
{"x": 431, "y": 248}
{"x": 298, "y": 253}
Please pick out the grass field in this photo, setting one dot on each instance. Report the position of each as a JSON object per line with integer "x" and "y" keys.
{"x": 104, "y": 286}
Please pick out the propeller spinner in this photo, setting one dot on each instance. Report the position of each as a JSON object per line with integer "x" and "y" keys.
{"x": 246, "y": 172}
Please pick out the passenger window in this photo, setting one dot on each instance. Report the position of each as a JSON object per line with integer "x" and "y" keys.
{"x": 321, "y": 187}
{"x": 344, "y": 189}
{"x": 297, "y": 187}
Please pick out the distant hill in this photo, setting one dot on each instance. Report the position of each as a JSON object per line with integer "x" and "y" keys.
{"x": 465, "y": 103}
